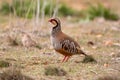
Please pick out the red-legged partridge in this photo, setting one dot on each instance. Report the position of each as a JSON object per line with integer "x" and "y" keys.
{"x": 62, "y": 43}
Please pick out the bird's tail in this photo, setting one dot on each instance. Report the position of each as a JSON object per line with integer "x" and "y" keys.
{"x": 88, "y": 58}
{"x": 81, "y": 52}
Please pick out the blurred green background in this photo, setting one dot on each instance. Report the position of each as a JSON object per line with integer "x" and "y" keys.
{"x": 84, "y": 9}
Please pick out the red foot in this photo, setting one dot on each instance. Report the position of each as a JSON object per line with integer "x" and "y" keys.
{"x": 65, "y": 59}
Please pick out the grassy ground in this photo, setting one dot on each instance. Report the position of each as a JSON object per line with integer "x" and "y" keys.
{"x": 33, "y": 61}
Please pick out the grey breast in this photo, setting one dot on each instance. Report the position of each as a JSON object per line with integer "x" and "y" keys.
{"x": 56, "y": 44}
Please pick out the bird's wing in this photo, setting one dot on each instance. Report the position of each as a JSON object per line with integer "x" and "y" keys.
{"x": 69, "y": 46}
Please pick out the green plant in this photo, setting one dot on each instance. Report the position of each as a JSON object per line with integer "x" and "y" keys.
{"x": 24, "y": 8}
{"x": 53, "y": 71}
{"x": 6, "y": 8}
{"x": 65, "y": 10}
{"x": 49, "y": 9}
{"x": 27, "y": 8}
{"x": 88, "y": 59}
{"x": 100, "y": 11}
{"x": 4, "y": 63}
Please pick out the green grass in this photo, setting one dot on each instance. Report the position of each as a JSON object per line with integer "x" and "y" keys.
{"x": 6, "y": 8}
{"x": 4, "y": 64}
{"x": 88, "y": 59}
{"x": 19, "y": 8}
{"x": 27, "y": 8}
{"x": 65, "y": 10}
{"x": 100, "y": 11}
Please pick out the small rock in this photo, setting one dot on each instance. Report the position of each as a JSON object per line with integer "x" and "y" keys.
{"x": 108, "y": 43}
{"x": 90, "y": 43}
{"x": 106, "y": 65}
{"x": 94, "y": 47}
{"x": 99, "y": 35}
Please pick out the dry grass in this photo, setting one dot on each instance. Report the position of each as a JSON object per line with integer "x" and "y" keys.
{"x": 13, "y": 74}
{"x": 33, "y": 61}
{"x": 108, "y": 77}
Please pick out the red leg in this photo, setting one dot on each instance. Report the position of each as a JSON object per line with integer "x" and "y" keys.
{"x": 68, "y": 57}
{"x": 64, "y": 59}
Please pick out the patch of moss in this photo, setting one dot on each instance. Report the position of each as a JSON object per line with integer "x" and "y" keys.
{"x": 4, "y": 64}
{"x": 53, "y": 71}
{"x": 88, "y": 59}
